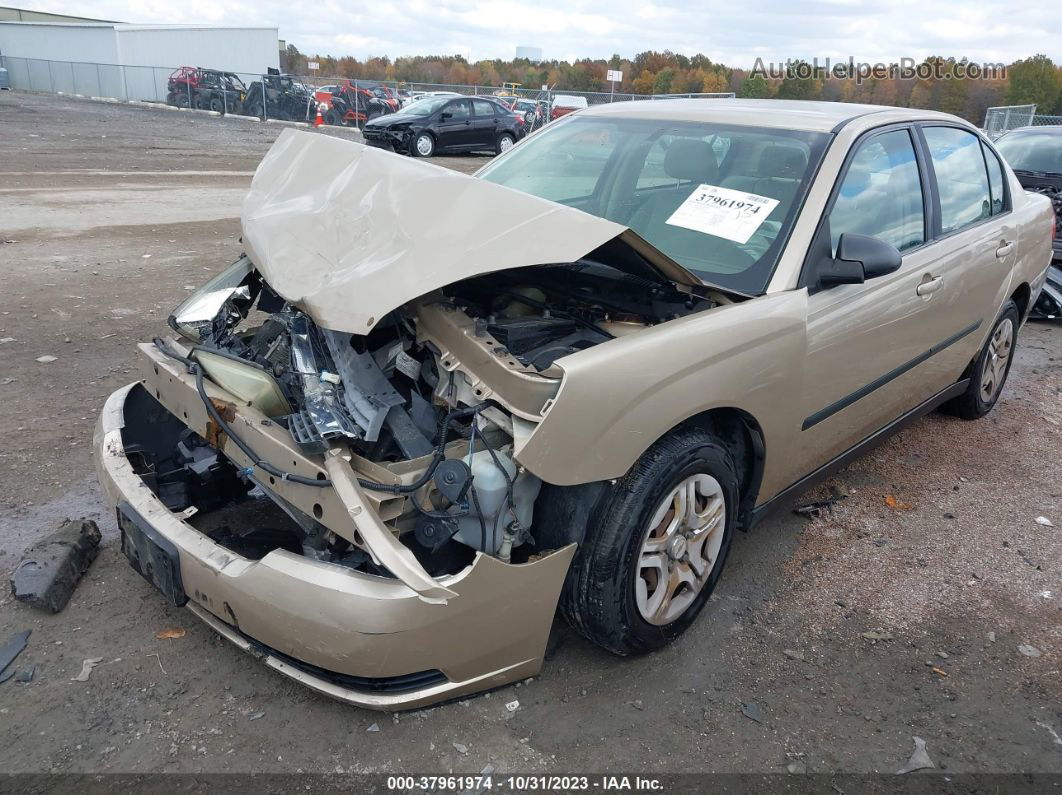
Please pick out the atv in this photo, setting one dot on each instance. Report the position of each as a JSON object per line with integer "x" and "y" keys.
{"x": 278, "y": 96}
{"x": 205, "y": 89}
{"x": 352, "y": 105}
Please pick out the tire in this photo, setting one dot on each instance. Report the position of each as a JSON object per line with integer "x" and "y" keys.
{"x": 505, "y": 142}
{"x": 529, "y": 117}
{"x": 331, "y": 118}
{"x": 201, "y": 103}
{"x": 609, "y": 594}
{"x": 217, "y": 105}
{"x": 422, "y": 145}
{"x": 182, "y": 100}
{"x": 988, "y": 373}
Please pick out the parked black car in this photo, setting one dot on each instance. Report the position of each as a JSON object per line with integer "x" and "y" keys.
{"x": 446, "y": 124}
{"x": 1035, "y": 154}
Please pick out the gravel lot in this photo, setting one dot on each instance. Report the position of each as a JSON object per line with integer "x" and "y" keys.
{"x": 110, "y": 213}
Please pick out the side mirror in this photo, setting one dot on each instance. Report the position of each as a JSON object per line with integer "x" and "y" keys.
{"x": 445, "y": 115}
{"x": 859, "y": 257}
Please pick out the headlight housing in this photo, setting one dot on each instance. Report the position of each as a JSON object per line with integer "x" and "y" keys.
{"x": 197, "y": 313}
{"x": 245, "y": 381}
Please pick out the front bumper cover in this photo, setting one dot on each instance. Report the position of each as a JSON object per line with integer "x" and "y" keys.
{"x": 367, "y": 640}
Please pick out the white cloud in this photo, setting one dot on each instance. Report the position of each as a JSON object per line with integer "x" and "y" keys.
{"x": 989, "y": 30}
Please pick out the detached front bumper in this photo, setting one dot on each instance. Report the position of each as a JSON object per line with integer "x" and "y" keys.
{"x": 396, "y": 141}
{"x": 367, "y": 640}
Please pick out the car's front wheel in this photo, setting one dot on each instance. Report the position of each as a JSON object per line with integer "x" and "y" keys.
{"x": 989, "y": 372}
{"x": 654, "y": 553}
{"x": 423, "y": 145}
{"x": 505, "y": 143}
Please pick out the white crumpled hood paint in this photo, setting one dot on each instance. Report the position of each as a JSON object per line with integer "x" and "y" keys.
{"x": 349, "y": 233}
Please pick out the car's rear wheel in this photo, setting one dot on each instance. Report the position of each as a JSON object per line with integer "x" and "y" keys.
{"x": 505, "y": 143}
{"x": 423, "y": 145}
{"x": 989, "y": 371}
{"x": 654, "y": 553}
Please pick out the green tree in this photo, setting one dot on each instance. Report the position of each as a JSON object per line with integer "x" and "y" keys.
{"x": 755, "y": 87}
{"x": 664, "y": 78}
{"x": 1034, "y": 81}
{"x": 800, "y": 83}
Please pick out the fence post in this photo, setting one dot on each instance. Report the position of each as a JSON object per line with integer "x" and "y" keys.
{"x": 265, "y": 105}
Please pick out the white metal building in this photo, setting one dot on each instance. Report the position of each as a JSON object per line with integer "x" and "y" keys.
{"x": 114, "y": 57}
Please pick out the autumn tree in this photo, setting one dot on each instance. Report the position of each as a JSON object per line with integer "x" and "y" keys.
{"x": 1034, "y": 81}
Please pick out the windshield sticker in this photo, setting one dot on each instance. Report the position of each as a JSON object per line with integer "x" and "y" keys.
{"x": 731, "y": 214}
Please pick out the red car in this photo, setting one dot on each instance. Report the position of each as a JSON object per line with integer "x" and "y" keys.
{"x": 563, "y": 104}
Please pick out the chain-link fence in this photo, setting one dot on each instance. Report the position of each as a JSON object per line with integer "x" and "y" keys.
{"x": 343, "y": 101}
{"x": 1000, "y": 120}
{"x": 1042, "y": 120}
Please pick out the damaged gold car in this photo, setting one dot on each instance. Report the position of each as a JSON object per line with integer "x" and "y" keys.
{"x": 424, "y": 408}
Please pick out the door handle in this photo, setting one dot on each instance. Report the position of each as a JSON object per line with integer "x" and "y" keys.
{"x": 1005, "y": 247}
{"x": 930, "y": 286}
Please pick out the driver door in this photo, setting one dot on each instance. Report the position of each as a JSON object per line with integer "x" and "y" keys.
{"x": 866, "y": 342}
{"x": 455, "y": 131}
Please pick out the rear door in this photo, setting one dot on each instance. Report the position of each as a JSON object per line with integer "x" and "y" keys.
{"x": 454, "y": 131}
{"x": 975, "y": 247}
{"x": 485, "y": 123}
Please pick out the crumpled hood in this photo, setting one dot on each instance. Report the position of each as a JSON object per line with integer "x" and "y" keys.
{"x": 348, "y": 233}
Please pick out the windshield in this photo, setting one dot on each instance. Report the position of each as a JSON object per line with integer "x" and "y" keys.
{"x": 718, "y": 199}
{"x": 425, "y": 106}
{"x": 1032, "y": 151}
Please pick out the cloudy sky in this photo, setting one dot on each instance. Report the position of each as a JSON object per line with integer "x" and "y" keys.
{"x": 735, "y": 33}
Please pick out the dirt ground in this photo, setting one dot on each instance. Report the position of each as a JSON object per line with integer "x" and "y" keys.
{"x": 109, "y": 214}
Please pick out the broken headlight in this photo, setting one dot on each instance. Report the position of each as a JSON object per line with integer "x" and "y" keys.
{"x": 196, "y": 315}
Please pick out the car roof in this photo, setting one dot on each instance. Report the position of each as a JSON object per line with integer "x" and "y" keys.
{"x": 1047, "y": 129}
{"x": 787, "y": 114}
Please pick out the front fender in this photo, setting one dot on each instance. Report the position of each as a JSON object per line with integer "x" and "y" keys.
{"x": 617, "y": 398}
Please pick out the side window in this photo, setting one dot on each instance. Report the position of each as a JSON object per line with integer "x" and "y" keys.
{"x": 962, "y": 180}
{"x": 995, "y": 181}
{"x": 881, "y": 195}
{"x": 459, "y": 109}
{"x": 483, "y": 108}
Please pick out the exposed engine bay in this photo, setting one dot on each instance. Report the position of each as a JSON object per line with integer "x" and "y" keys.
{"x": 1052, "y": 189}
{"x": 402, "y": 399}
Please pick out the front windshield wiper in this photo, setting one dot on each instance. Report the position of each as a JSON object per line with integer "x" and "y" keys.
{"x": 1028, "y": 173}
